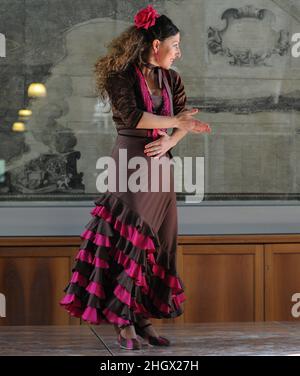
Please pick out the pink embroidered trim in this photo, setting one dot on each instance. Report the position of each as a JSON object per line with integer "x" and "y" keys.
{"x": 165, "y": 109}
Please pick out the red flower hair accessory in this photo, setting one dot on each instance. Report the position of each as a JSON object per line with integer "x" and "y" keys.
{"x": 146, "y": 17}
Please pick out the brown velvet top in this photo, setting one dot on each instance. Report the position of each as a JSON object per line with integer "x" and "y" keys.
{"x": 127, "y": 101}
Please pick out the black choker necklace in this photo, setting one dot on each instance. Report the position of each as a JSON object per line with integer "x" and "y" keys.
{"x": 158, "y": 71}
{"x": 149, "y": 65}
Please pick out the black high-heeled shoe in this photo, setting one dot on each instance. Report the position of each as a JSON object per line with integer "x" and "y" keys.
{"x": 127, "y": 343}
{"x": 154, "y": 341}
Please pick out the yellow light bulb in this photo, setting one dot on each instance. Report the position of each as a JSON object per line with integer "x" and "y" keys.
{"x": 18, "y": 127}
{"x": 25, "y": 112}
{"x": 37, "y": 90}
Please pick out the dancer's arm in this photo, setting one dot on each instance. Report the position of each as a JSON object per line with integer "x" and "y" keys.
{"x": 125, "y": 109}
{"x": 151, "y": 121}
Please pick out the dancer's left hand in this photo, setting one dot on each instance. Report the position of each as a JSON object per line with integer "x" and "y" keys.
{"x": 160, "y": 146}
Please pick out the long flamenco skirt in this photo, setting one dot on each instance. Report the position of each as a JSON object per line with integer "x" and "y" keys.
{"x": 125, "y": 267}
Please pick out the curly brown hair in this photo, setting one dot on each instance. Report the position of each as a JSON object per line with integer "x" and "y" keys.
{"x": 131, "y": 46}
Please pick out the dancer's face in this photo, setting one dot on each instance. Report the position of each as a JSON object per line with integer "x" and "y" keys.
{"x": 166, "y": 51}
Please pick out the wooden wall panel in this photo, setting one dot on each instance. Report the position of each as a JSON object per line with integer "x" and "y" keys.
{"x": 282, "y": 273}
{"x": 227, "y": 278}
{"x": 223, "y": 282}
{"x": 32, "y": 279}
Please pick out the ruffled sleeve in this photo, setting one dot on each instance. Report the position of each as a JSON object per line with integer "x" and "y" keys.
{"x": 179, "y": 96}
{"x": 120, "y": 89}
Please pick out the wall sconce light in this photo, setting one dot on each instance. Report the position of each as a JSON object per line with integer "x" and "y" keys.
{"x": 37, "y": 90}
{"x": 25, "y": 112}
{"x": 18, "y": 126}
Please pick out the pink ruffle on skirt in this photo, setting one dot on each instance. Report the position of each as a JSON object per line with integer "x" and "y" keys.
{"x": 115, "y": 275}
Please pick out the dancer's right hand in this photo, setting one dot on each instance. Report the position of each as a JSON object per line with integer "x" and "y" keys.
{"x": 184, "y": 120}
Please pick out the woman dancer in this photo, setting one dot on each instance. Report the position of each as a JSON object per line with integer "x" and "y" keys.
{"x": 125, "y": 270}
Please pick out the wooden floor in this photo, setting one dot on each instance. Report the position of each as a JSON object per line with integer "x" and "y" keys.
{"x": 262, "y": 338}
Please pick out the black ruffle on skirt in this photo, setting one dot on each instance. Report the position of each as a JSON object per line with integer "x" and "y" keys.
{"x": 115, "y": 277}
